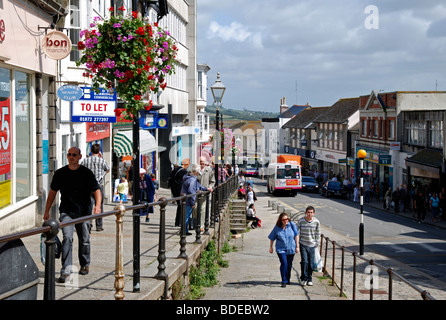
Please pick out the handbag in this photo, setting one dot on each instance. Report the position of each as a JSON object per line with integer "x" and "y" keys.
{"x": 317, "y": 264}
{"x": 57, "y": 248}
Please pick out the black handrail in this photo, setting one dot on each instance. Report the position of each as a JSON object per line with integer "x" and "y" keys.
{"x": 425, "y": 295}
{"x": 51, "y": 227}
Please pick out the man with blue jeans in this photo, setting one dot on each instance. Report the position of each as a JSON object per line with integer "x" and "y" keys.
{"x": 309, "y": 238}
{"x": 75, "y": 183}
{"x": 191, "y": 186}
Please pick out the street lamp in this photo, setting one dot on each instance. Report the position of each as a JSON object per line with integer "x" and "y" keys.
{"x": 361, "y": 155}
{"x": 218, "y": 90}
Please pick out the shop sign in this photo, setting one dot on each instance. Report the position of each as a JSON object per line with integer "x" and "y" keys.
{"x": 385, "y": 159}
{"x": 56, "y": 45}
{"x": 2, "y": 30}
{"x": 70, "y": 93}
{"x": 152, "y": 120}
{"x": 94, "y": 107}
{"x": 5, "y": 137}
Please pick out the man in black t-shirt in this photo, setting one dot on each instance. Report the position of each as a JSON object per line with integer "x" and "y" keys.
{"x": 75, "y": 183}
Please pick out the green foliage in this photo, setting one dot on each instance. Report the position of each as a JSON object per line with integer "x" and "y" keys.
{"x": 206, "y": 273}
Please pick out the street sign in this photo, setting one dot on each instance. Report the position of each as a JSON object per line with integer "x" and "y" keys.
{"x": 94, "y": 107}
{"x": 385, "y": 159}
{"x": 70, "y": 93}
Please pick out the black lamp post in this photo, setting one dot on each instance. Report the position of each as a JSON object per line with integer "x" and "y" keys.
{"x": 218, "y": 90}
{"x": 361, "y": 155}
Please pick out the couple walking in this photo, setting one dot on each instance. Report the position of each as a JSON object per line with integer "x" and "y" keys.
{"x": 291, "y": 239}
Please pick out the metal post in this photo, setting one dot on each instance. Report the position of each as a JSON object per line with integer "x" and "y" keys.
{"x": 162, "y": 242}
{"x": 136, "y": 200}
{"x": 217, "y": 137}
{"x": 206, "y": 217}
{"x": 183, "y": 229}
{"x": 361, "y": 224}
{"x": 119, "y": 262}
{"x": 49, "y": 287}
{"x": 198, "y": 224}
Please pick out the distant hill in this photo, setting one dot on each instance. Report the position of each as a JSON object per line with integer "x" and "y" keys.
{"x": 243, "y": 115}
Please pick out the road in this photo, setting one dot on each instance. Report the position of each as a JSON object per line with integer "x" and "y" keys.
{"x": 420, "y": 246}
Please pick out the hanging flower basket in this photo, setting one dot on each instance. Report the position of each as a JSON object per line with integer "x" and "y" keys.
{"x": 130, "y": 55}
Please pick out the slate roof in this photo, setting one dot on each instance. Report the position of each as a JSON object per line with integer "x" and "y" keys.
{"x": 340, "y": 111}
{"x": 305, "y": 118}
{"x": 292, "y": 111}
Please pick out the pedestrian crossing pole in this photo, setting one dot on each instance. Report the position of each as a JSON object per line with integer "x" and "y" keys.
{"x": 361, "y": 155}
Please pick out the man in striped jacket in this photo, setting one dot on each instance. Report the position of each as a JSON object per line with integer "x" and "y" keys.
{"x": 100, "y": 168}
{"x": 309, "y": 238}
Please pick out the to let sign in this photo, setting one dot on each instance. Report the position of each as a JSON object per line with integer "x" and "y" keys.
{"x": 94, "y": 107}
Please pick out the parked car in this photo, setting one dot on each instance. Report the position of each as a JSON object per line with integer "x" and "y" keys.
{"x": 333, "y": 189}
{"x": 309, "y": 184}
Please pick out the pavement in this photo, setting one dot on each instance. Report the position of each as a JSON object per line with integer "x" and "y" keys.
{"x": 252, "y": 274}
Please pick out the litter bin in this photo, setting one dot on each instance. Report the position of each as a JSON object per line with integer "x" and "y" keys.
{"x": 19, "y": 275}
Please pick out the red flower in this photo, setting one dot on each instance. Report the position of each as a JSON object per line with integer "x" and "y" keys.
{"x": 140, "y": 31}
{"x": 163, "y": 86}
{"x": 134, "y": 14}
{"x": 149, "y": 106}
{"x": 122, "y": 8}
{"x": 137, "y": 97}
{"x": 118, "y": 111}
{"x": 111, "y": 9}
{"x": 81, "y": 45}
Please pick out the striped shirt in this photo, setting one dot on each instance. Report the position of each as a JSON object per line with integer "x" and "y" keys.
{"x": 310, "y": 234}
{"x": 98, "y": 166}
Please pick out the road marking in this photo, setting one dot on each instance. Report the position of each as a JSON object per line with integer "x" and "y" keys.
{"x": 428, "y": 247}
{"x": 396, "y": 248}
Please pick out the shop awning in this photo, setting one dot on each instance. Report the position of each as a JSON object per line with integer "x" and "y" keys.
{"x": 123, "y": 143}
{"x": 426, "y": 163}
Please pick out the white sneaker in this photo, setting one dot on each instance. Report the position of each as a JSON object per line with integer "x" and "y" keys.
{"x": 309, "y": 283}
{"x": 303, "y": 283}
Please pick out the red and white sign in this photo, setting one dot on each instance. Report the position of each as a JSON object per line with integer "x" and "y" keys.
{"x": 5, "y": 136}
{"x": 56, "y": 45}
{"x": 2, "y": 30}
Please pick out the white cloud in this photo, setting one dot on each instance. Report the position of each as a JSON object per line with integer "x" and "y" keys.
{"x": 234, "y": 32}
{"x": 261, "y": 50}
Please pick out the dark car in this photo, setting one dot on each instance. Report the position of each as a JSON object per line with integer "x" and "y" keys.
{"x": 309, "y": 184}
{"x": 333, "y": 189}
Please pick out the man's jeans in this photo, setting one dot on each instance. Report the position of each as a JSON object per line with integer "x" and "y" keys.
{"x": 189, "y": 211}
{"x": 93, "y": 203}
{"x": 83, "y": 234}
{"x": 306, "y": 262}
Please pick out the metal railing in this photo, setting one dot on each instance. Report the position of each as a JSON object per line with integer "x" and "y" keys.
{"x": 425, "y": 295}
{"x": 50, "y": 228}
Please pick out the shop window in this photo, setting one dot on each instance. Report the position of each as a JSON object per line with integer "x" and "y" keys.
{"x": 16, "y": 180}
{"x": 436, "y": 134}
{"x": 415, "y": 133}
{"x": 23, "y": 134}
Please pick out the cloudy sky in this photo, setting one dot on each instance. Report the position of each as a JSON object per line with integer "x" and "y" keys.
{"x": 319, "y": 51}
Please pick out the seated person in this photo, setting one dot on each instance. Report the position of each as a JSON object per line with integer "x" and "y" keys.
{"x": 251, "y": 215}
{"x": 241, "y": 192}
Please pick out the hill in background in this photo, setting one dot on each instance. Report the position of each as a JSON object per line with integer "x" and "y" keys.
{"x": 242, "y": 115}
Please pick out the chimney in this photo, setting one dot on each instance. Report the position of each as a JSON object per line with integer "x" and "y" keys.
{"x": 283, "y": 106}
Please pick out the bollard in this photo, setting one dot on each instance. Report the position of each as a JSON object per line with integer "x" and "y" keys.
{"x": 49, "y": 287}
{"x": 206, "y": 218}
{"x": 183, "y": 229}
{"x": 119, "y": 262}
{"x": 162, "y": 242}
{"x": 274, "y": 205}
{"x": 198, "y": 224}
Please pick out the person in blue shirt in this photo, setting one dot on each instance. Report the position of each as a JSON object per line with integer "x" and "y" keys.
{"x": 285, "y": 233}
{"x": 191, "y": 186}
